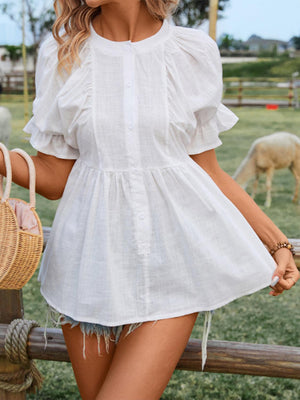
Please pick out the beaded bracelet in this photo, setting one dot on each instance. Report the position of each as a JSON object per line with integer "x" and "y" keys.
{"x": 279, "y": 245}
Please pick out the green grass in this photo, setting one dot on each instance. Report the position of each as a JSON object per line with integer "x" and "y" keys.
{"x": 277, "y": 67}
{"x": 257, "y": 318}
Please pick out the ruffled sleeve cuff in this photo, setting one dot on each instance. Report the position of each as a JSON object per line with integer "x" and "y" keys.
{"x": 50, "y": 143}
{"x": 206, "y": 135}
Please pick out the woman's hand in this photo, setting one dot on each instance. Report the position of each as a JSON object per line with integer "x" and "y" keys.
{"x": 286, "y": 271}
{"x": 264, "y": 227}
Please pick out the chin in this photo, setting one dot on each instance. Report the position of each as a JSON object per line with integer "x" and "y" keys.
{"x": 96, "y": 3}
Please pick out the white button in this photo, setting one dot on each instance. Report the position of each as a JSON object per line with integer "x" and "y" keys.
{"x": 142, "y": 216}
{"x": 128, "y": 84}
{"x": 130, "y": 126}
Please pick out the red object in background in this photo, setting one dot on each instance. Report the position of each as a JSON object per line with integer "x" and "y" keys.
{"x": 272, "y": 106}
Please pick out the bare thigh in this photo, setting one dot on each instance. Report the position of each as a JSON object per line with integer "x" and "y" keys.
{"x": 90, "y": 372}
{"x": 144, "y": 361}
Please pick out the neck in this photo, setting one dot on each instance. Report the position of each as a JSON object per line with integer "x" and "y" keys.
{"x": 121, "y": 21}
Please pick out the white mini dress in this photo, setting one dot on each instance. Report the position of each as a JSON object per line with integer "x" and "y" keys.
{"x": 141, "y": 232}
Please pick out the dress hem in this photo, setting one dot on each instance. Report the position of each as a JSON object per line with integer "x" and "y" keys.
{"x": 161, "y": 316}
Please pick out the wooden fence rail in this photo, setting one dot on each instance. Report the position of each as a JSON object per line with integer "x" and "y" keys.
{"x": 260, "y": 91}
{"x": 13, "y": 83}
{"x": 222, "y": 356}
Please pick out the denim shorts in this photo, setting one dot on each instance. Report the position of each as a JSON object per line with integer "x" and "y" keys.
{"x": 112, "y": 333}
{"x": 109, "y": 333}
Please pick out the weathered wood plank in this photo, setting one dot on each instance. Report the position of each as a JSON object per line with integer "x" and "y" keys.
{"x": 223, "y": 356}
{"x": 11, "y": 307}
{"x": 296, "y": 244}
{"x": 243, "y": 358}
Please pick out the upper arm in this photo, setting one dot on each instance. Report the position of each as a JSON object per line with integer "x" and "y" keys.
{"x": 208, "y": 161}
{"x": 55, "y": 163}
{"x": 51, "y": 174}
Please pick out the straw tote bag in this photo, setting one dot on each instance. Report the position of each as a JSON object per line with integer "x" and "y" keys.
{"x": 21, "y": 233}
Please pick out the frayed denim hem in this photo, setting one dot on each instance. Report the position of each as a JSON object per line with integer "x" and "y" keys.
{"x": 88, "y": 328}
{"x": 99, "y": 330}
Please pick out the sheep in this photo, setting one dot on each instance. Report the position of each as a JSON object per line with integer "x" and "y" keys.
{"x": 5, "y": 125}
{"x": 275, "y": 151}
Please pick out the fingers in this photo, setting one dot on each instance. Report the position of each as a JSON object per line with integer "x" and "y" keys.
{"x": 287, "y": 279}
{"x": 283, "y": 284}
{"x": 287, "y": 283}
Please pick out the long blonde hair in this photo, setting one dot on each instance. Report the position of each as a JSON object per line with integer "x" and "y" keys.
{"x": 75, "y": 17}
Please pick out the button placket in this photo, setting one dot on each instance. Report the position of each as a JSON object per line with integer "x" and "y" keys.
{"x": 139, "y": 196}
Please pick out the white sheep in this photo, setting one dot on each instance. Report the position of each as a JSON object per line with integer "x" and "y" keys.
{"x": 275, "y": 151}
{"x": 5, "y": 125}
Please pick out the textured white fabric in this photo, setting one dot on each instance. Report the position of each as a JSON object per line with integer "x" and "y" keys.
{"x": 142, "y": 232}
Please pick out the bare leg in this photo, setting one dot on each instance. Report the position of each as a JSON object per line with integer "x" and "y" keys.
{"x": 90, "y": 372}
{"x": 145, "y": 360}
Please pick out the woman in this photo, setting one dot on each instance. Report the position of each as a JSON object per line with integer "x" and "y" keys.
{"x": 149, "y": 230}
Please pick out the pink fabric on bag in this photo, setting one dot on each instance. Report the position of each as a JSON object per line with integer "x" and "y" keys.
{"x": 26, "y": 219}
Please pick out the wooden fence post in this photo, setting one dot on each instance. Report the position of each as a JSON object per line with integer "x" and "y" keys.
{"x": 291, "y": 93}
{"x": 240, "y": 93}
{"x": 11, "y": 307}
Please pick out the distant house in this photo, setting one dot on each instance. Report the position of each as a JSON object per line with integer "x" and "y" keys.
{"x": 257, "y": 44}
{"x": 8, "y": 67}
{"x": 11, "y": 73}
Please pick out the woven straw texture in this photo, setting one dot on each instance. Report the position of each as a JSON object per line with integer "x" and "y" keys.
{"x": 20, "y": 251}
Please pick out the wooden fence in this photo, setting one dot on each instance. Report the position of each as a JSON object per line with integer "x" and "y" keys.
{"x": 237, "y": 91}
{"x": 259, "y": 92}
{"x": 13, "y": 83}
{"x": 223, "y": 356}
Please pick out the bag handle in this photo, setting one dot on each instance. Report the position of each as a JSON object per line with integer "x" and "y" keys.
{"x": 7, "y": 163}
{"x": 32, "y": 175}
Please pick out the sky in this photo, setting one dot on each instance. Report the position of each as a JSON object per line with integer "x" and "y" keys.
{"x": 270, "y": 19}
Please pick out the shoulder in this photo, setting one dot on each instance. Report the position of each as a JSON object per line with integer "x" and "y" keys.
{"x": 46, "y": 75}
{"x": 48, "y": 49}
{"x": 47, "y": 60}
{"x": 195, "y": 40}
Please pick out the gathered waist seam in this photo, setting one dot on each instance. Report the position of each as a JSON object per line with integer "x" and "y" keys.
{"x": 132, "y": 169}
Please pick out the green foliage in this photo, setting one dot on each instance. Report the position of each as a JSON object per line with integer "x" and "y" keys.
{"x": 256, "y": 318}
{"x": 193, "y": 12}
{"x": 13, "y": 52}
{"x": 296, "y": 42}
{"x": 268, "y": 53}
{"x": 226, "y": 41}
{"x": 39, "y": 19}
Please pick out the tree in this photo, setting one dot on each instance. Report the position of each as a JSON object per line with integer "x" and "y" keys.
{"x": 39, "y": 18}
{"x": 193, "y": 12}
{"x": 14, "y": 53}
{"x": 226, "y": 41}
{"x": 296, "y": 42}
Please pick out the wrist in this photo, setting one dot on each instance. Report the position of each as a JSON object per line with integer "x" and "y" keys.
{"x": 280, "y": 246}
{"x": 2, "y": 165}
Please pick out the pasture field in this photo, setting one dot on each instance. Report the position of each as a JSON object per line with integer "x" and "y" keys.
{"x": 257, "y": 318}
{"x": 269, "y": 67}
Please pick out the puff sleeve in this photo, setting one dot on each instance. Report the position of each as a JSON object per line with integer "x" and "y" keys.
{"x": 212, "y": 117}
{"x": 49, "y": 128}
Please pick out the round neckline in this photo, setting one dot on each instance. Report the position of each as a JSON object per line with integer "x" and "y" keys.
{"x": 113, "y": 45}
